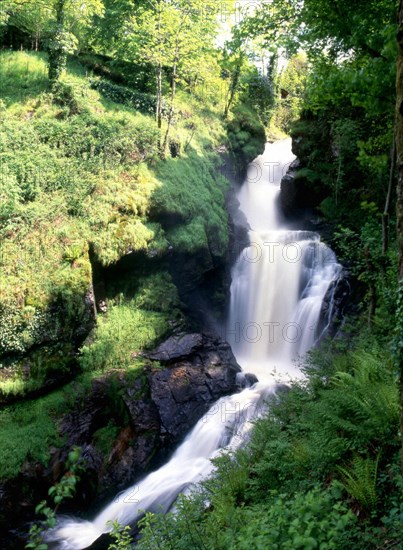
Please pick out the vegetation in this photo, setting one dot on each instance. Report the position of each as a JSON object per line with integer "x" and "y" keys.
{"x": 114, "y": 121}
{"x": 82, "y": 188}
{"x": 63, "y": 490}
{"x": 94, "y": 184}
{"x": 321, "y": 470}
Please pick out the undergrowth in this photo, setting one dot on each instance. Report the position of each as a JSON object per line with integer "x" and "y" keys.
{"x": 320, "y": 471}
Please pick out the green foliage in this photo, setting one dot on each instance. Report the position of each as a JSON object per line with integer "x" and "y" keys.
{"x": 315, "y": 519}
{"x": 145, "y": 103}
{"x": 121, "y": 536}
{"x": 193, "y": 194}
{"x": 131, "y": 326}
{"x": 157, "y": 293}
{"x": 291, "y": 83}
{"x": 360, "y": 479}
{"x": 70, "y": 95}
{"x": 310, "y": 520}
{"x": 59, "y": 492}
{"x": 361, "y": 251}
{"x": 105, "y": 437}
{"x": 22, "y": 76}
{"x": 123, "y": 331}
{"x": 246, "y": 135}
{"x": 60, "y": 45}
{"x": 20, "y": 377}
{"x": 278, "y": 492}
{"x": 81, "y": 173}
{"x": 27, "y": 430}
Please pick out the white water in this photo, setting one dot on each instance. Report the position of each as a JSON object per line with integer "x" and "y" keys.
{"x": 278, "y": 287}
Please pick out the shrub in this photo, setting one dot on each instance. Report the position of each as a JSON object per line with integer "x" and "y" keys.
{"x": 246, "y": 135}
{"x": 72, "y": 95}
{"x": 143, "y": 102}
{"x": 315, "y": 519}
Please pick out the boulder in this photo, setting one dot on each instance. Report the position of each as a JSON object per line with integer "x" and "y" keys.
{"x": 176, "y": 347}
{"x": 185, "y": 390}
{"x": 145, "y": 417}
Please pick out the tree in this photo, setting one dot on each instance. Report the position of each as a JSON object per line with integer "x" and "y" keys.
{"x": 60, "y": 21}
{"x": 172, "y": 37}
{"x": 399, "y": 209}
{"x": 291, "y": 83}
{"x": 68, "y": 16}
{"x": 32, "y": 18}
{"x": 233, "y": 62}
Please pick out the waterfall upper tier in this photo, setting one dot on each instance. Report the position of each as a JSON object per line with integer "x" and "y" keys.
{"x": 279, "y": 281}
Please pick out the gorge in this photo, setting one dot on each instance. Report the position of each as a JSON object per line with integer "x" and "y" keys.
{"x": 281, "y": 287}
{"x": 201, "y": 322}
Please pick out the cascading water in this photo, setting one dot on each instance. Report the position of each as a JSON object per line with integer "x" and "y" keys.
{"x": 279, "y": 283}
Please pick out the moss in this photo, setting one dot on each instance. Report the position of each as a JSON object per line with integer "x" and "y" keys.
{"x": 246, "y": 134}
{"x": 104, "y": 438}
{"x": 132, "y": 325}
{"x": 27, "y": 430}
{"x": 193, "y": 196}
{"x": 23, "y": 376}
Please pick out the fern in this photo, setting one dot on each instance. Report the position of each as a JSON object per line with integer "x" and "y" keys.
{"x": 360, "y": 481}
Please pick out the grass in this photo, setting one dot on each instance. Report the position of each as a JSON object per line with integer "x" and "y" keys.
{"x": 131, "y": 326}
{"x": 23, "y": 76}
{"x": 79, "y": 170}
{"x": 27, "y": 430}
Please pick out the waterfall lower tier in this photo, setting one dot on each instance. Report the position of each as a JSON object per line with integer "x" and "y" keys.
{"x": 278, "y": 286}
{"x": 279, "y": 283}
{"x": 225, "y": 426}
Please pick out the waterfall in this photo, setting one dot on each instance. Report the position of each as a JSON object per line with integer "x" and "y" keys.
{"x": 278, "y": 285}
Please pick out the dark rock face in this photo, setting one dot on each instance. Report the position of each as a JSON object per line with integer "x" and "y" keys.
{"x": 176, "y": 347}
{"x": 294, "y": 196}
{"x": 186, "y": 390}
{"x": 150, "y": 416}
{"x": 297, "y": 194}
{"x": 239, "y": 226}
{"x": 335, "y": 304}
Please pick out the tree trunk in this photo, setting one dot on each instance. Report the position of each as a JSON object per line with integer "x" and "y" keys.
{"x": 399, "y": 210}
{"x": 232, "y": 90}
{"x": 385, "y": 215}
{"x": 158, "y": 107}
{"x": 171, "y": 109}
{"x": 57, "y": 52}
{"x": 158, "y": 110}
{"x": 372, "y": 287}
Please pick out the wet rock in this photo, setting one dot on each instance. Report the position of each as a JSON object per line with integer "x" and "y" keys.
{"x": 334, "y": 304}
{"x": 246, "y": 380}
{"x": 292, "y": 192}
{"x": 176, "y": 347}
{"x": 185, "y": 390}
{"x": 140, "y": 420}
{"x": 298, "y": 195}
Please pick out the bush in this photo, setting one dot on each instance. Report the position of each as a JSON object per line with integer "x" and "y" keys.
{"x": 70, "y": 95}
{"x": 311, "y": 520}
{"x": 246, "y": 135}
{"x": 143, "y": 102}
